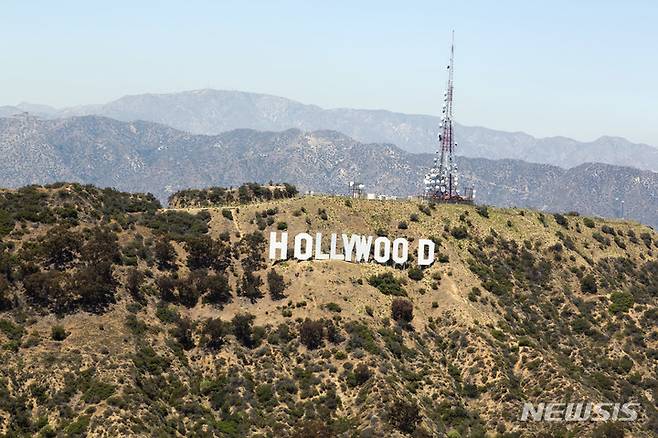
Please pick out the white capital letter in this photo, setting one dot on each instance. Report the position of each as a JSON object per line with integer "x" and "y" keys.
{"x": 319, "y": 255}
{"x": 281, "y": 245}
{"x": 423, "y": 246}
{"x": 385, "y": 244}
{"x": 400, "y": 250}
{"x": 363, "y": 245}
{"x": 308, "y": 248}
{"x": 348, "y": 246}
{"x": 332, "y": 251}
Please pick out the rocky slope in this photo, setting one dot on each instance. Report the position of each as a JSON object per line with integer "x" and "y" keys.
{"x": 142, "y": 156}
{"x": 216, "y": 111}
{"x": 119, "y": 319}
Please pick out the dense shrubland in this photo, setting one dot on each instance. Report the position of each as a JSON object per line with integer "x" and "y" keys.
{"x": 218, "y": 196}
{"x": 185, "y": 348}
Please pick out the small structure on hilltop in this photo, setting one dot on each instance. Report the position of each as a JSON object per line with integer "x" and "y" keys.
{"x": 356, "y": 189}
{"x": 442, "y": 181}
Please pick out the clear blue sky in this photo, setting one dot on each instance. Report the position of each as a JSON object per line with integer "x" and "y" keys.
{"x": 575, "y": 68}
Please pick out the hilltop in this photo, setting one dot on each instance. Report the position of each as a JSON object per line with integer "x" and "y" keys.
{"x": 119, "y": 317}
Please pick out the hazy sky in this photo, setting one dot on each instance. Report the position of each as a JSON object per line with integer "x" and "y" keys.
{"x": 575, "y": 68}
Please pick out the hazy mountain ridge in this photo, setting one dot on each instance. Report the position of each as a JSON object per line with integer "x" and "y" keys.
{"x": 215, "y": 111}
{"x": 143, "y": 156}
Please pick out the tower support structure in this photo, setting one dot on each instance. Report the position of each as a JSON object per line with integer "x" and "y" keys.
{"x": 442, "y": 181}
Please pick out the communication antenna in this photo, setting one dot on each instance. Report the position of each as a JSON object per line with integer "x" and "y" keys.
{"x": 442, "y": 181}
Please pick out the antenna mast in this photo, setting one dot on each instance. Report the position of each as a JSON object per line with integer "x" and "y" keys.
{"x": 442, "y": 182}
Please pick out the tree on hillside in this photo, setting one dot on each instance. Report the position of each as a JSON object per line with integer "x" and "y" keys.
{"x": 243, "y": 327}
{"x": 101, "y": 246}
{"x": 311, "y": 333}
{"x": 6, "y": 298}
{"x": 60, "y": 248}
{"x": 134, "y": 281}
{"x": 217, "y": 290}
{"x": 276, "y": 285}
{"x": 250, "y": 284}
{"x": 404, "y": 416}
{"x": 214, "y": 332}
{"x": 95, "y": 286}
{"x": 402, "y": 310}
{"x": 165, "y": 255}
{"x": 183, "y": 332}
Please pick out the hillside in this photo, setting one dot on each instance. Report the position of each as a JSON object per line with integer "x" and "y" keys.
{"x": 120, "y": 318}
{"x": 148, "y": 157}
{"x": 212, "y": 112}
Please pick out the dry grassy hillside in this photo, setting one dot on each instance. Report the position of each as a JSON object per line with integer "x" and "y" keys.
{"x": 120, "y": 318}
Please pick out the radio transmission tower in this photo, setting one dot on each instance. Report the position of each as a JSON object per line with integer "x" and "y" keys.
{"x": 442, "y": 182}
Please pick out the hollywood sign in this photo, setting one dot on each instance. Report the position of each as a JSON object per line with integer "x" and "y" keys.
{"x": 354, "y": 248}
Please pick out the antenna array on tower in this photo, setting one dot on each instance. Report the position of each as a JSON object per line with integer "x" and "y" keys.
{"x": 442, "y": 181}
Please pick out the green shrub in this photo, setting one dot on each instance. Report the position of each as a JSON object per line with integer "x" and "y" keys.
{"x": 166, "y": 313}
{"x": 358, "y": 376}
{"x": 588, "y": 222}
{"x": 561, "y": 220}
{"x": 621, "y": 302}
{"x": 361, "y": 337}
{"x": 78, "y": 427}
{"x": 249, "y": 287}
{"x": 474, "y": 294}
{"x": 216, "y": 288}
{"x": 12, "y": 331}
{"x": 387, "y": 284}
{"x": 607, "y": 229}
{"x": 459, "y": 232}
{"x": 482, "y": 210}
{"x": 58, "y": 333}
{"x": 164, "y": 254}
{"x": 97, "y": 391}
{"x": 580, "y": 325}
{"x": 178, "y": 225}
{"x": 264, "y": 392}
{"x": 601, "y": 238}
{"x": 282, "y": 226}
{"x": 415, "y": 273}
{"x": 148, "y": 361}
{"x": 588, "y": 284}
{"x": 425, "y": 209}
{"x": 404, "y": 416}
{"x": 228, "y": 214}
{"x": 136, "y": 326}
{"x": 333, "y": 307}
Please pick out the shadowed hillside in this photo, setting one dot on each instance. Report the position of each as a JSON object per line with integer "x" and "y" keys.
{"x": 147, "y": 157}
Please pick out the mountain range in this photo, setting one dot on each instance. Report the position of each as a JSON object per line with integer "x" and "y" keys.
{"x": 212, "y": 112}
{"x": 145, "y": 156}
